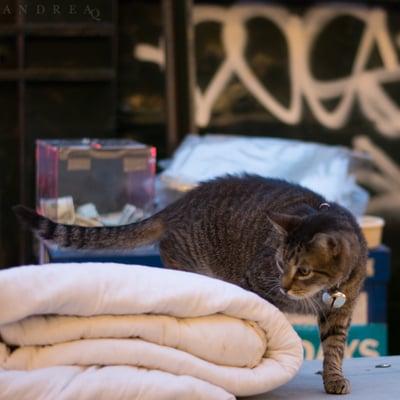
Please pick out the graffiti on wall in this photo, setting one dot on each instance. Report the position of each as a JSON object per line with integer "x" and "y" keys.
{"x": 363, "y": 85}
{"x": 383, "y": 180}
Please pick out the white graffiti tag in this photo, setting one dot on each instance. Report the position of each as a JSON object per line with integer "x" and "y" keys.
{"x": 383, "y": 179}
{"x": 301, "y": 33}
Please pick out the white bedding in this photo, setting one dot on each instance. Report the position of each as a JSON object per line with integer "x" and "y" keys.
{"x": 101, "y": 331}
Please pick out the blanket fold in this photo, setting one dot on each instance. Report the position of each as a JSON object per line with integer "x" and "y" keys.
{"x": 92, "y": 320}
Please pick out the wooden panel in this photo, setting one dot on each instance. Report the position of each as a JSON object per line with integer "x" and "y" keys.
{"x": 59, "y": 29}
{"x": 8, "y": 53}
{"x": 58, "y": 52}
{"x": 69, "y": 109}
{"x": 57, "y": 79}
{"x": 9, "y": 191}
{"x": 68, "y": 74}
{"x": 8, "y": 109}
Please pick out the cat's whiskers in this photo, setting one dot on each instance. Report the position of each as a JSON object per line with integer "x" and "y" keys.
{"x": 312, "y": 305}
{"x": 305, "y": 304}
{"x": 271, "y": 280}
{"x": 319, "y": 307}
{"x": 273, "y": 288}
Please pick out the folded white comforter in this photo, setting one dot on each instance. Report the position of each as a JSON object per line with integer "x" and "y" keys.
{"x": 102, "y": 331}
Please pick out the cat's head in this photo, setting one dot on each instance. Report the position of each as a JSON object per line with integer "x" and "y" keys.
{"x": 318, "y": 252}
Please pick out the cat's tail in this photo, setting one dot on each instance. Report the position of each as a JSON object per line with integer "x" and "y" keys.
{"x": 105, "y": 237}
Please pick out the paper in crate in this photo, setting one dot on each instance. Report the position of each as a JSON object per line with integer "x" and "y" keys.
{"x": 95, "y": 182}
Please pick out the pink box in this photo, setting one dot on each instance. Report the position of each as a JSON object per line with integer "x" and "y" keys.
{"x": 95, "y": 182}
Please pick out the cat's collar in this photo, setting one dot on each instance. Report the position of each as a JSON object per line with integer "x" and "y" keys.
{"x": 334, "y": 298}
{"x": 324, "y": 206}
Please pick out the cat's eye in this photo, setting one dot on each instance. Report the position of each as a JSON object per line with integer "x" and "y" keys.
{"x": 304, "y": 272}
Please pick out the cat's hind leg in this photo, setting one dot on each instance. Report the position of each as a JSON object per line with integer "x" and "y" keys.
{"x": 169, "y": 256}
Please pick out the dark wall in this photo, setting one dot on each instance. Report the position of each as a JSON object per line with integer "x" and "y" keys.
{"x": 57, "y": 79}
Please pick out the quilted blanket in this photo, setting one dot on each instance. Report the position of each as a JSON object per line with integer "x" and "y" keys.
{"x": 103, "y": 330}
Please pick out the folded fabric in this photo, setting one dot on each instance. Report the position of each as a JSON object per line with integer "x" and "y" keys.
{"x": 90, "y": 330}
{"x": 219, "y": 339}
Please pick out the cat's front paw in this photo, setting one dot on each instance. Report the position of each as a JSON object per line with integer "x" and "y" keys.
{"x": 337, "y": 385}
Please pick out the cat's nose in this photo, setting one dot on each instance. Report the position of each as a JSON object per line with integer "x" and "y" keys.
{"x": 286, "y": 283}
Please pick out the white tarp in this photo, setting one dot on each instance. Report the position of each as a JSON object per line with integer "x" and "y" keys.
{"x": 322, "y": 168}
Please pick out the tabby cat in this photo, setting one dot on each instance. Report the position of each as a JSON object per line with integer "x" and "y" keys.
{"x": 277, "y": 239}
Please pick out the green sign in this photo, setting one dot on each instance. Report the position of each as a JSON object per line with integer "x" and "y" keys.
{"x": 364, "y": 341}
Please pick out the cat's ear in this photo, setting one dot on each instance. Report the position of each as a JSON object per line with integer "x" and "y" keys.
{"x": 284, "y": 223}
{"x": 328, "y": 243}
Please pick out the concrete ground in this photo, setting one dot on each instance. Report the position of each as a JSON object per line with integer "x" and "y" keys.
{"x": 368, "y": 382}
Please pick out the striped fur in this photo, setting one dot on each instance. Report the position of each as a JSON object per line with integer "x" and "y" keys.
{"x": 79, "y": 237}
{"x": 266, "y": 235}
